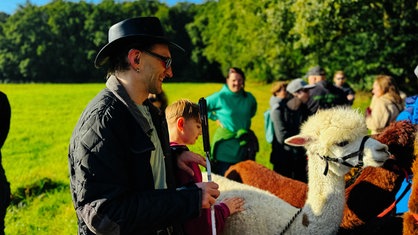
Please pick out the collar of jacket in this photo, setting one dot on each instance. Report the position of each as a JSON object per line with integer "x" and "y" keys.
{"x": 121, "y": 94}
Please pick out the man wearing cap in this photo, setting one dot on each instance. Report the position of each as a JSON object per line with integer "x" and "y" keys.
{"x": 287, "y": 114}
{"x": 324, "y": 95}
{"x": 119, "y": 159}
{"x": 300, "y": 89}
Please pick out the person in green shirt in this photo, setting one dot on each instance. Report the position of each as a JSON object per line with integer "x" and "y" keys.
{"x": 232, "y": 108}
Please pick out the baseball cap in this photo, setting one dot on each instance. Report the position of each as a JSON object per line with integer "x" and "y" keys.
{"x": 298, "y": 84}
{"x": 316, "y": 71}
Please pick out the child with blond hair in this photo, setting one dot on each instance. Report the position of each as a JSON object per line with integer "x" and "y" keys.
{"x": 184, "y": 128}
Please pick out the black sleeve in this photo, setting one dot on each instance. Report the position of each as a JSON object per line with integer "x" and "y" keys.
{"x": 111, "y": 179}
{"x": 5, "y": 112}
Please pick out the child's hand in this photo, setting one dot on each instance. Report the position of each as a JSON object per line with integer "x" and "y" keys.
{"x": 234, "y": 204}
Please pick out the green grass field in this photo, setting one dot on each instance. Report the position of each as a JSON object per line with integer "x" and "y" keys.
{"x": 35, "y": 152}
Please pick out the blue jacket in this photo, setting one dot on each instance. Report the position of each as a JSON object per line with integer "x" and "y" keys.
{"x": 411, "y": 110}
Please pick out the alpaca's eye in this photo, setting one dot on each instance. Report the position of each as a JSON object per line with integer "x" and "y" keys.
{"x": 342, "y": 144}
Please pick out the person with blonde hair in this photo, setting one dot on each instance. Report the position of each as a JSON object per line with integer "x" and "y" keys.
{"x": 386, "y": 104}
{"x": 184, "y": 127}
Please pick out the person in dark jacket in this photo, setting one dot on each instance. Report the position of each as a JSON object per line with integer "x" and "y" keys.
{"x": 324, "y": 95}
{"x": 121, "y": 170}
{"x": 340, "y": 81}
{"x": 287, "y": 114}
{"x": 5, "y": 112}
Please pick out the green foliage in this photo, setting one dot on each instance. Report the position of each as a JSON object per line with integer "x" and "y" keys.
{"x": 269, "y": 39}
{"x": 362, "y": 38}
{"x": 35, "y": 155}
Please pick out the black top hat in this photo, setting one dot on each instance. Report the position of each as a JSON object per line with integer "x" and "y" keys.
{"x": 131, "y": 30}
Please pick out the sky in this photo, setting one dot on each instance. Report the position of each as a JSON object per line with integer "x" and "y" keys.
{"x": 9, "y": 6}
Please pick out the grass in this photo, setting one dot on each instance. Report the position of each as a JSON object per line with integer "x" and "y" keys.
{"x": 35, "y": 152}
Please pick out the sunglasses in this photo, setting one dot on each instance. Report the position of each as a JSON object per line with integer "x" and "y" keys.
{"x": 166, "y": 60}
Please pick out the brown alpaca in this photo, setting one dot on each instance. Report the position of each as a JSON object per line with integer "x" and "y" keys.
{"x": 371, "y": 193}
{"x": 259, "y": 176}
{"x": 410, "y": 220}
{"x": 375, "y": 188}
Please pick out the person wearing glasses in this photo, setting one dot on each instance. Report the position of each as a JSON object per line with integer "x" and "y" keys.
{"x": 121, "y": 168}
{"x": 232, "y": 108}
{"x": 340, "y": 82}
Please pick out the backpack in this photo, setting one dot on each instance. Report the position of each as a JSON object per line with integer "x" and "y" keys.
{"x": 268, "y": 127}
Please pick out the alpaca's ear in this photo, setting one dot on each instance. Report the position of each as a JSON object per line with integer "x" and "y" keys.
{"x": 298, "y": 140}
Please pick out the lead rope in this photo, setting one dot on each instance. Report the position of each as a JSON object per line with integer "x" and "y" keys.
{"x": 291, "y": 221}
{"x": 415, "y": 217}
{"x": 392, "y": 206}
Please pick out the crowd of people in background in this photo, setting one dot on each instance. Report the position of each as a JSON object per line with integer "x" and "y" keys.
{"x": 290, "y": 107}
{"x": 131, "y": 171}
{"x": 386, "y": 106}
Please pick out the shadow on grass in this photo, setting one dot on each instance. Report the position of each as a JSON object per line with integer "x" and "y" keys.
{"x": 43, "y": 186}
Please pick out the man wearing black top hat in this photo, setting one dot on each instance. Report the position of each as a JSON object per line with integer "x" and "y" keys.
{"x": 119, "y": 159}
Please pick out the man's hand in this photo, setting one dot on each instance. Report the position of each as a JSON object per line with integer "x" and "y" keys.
{"x": 209, "y": 193}
{"x": 188, "y": 157}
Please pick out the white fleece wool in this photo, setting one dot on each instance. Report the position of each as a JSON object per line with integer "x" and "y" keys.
{"x": 332, "y": 133}
{"x": 263, "y": 210}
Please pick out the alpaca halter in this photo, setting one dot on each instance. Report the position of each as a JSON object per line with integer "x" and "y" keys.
{"x": 343, "y": 161}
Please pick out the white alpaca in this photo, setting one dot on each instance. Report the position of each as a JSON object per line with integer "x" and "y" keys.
{"x": 329, "y": 136}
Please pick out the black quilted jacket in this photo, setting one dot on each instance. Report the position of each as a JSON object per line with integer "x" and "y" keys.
{"x": 111, "y": 177}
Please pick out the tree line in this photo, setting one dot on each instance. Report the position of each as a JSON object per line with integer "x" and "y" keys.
{"x": 269, "y": 39}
